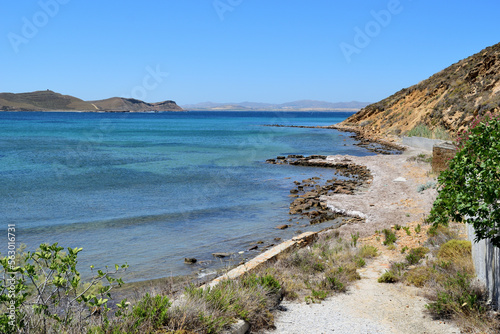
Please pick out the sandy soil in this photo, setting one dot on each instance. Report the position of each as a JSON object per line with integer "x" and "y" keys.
{"x": 371, "y": 307}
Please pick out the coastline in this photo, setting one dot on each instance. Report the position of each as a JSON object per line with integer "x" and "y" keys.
{"x": 350, "y": 190}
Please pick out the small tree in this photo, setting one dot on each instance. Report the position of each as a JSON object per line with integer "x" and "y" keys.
{"x": 42, "y": 289}
{"x": 470, "y": 189}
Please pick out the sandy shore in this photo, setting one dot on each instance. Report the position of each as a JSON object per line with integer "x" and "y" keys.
{"x": 371, "y": 307}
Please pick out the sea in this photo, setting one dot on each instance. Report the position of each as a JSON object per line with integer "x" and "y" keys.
{"x": 150, "y": 189}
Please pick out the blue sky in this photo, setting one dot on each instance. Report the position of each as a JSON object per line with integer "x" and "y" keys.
{"x": 236, "y": 50}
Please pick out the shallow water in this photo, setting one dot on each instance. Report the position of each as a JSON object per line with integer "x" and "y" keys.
{"x": 151, "y": 189}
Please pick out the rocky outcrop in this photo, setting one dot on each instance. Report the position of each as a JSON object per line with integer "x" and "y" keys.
{"x": 448, "y": 100}
{"x": 307, "y": 195}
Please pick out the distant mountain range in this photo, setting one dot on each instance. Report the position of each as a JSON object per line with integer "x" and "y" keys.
{"x": 302, "y": 105}
{"x": 48, "y": 100}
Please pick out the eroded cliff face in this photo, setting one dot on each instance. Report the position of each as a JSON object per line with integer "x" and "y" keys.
{"x": 449, "y": 99}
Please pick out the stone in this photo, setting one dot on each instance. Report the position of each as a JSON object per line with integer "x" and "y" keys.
{"x": 399, "y": 179}
{"x": 221, "y": 255}
{"x": 282, "y": 227}
{"x": 253, "y": 248}
{"x": 190, "y": 260}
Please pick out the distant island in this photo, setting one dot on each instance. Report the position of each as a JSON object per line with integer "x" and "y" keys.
{"x": 48, "y": 100}
{"x": 301, "y": 105}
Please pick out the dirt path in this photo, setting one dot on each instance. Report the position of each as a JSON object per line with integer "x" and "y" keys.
{"x": 369, "y": 306}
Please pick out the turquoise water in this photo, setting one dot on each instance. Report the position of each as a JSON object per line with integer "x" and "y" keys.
{"x": 151, "y": 189}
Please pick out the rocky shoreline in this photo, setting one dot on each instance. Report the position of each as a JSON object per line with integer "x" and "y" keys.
{"x": 307, "y": 194}
{"x": 367, "y": 141}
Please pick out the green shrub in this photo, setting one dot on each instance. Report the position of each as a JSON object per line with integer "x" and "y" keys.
{"x": 470, "y": 188}
{"x": 390, "y": 237}
{"x": 458, "y": 295}
{"x": 418, "y": 228}
{"x": 454, "y": 249}
{"x": 368, "y": 251}
{"x": 47, "y": 291}
{"x": 416, "y": 254}
{"x": 420, "y": 130}
{"x": 388, "y": 277}
{"x": 150, "y": 313}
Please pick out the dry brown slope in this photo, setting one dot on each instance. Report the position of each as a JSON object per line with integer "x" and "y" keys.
{"x": 134, "y": 105}
{"x": 449, "y": 99}
{"x": 42, "y": 101}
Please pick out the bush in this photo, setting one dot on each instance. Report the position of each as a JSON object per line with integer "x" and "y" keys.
{"x": 420, "y": 130}
{"x": 419, "y": 276}
{"x": 416, "y": 254}
{"x": 47, "y": 291}
{"x": 470, "y": 188}
{"x": 368, "y": 251}
{"x": 388, "y": 277}
{"x": 458, "y": 295}
{"x": 454, "y": 249}
{"x": 150, "y": 313}
{"x": 390, "y": 237}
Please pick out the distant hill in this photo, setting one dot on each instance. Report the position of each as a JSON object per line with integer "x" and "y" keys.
{"x": 133, "y": 105}
{"x": 48, "y": 100}
{"x": 448, "y": 100}
{"x": 42, "y": 101}
{"x": 302, "y": 105}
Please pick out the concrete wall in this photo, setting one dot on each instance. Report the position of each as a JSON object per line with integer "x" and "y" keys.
{"x": 441, "y": 155}
{"x": 486, "y": 259}
{"x": 421, "y": 142}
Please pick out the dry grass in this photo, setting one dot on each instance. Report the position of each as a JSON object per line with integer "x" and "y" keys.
{"x": 316, "y": 271}
{"x": 448, "y": 279}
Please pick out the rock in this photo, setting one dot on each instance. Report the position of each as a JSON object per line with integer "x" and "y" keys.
{"x": 277, "y": 239}
{"x": 294, "y": 191}
{"x": 221, "y": 255}
{"x": 399, "y": 179}
{"x": 271, "y": 161}
{"x": 253, "y": 248}
{"x": 280, "y": 157}
{"x": 282, "y": 227}
{"x": 190, "y": 260}
{"x": 260, "y": 242}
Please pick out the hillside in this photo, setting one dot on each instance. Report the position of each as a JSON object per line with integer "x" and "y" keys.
{"x": 447, "y": 101}
{"x": 120, "y": 104}
{"x": 42, "y": 101}
{"x": 302, "y": 105}
{"x": 51, "y": 101}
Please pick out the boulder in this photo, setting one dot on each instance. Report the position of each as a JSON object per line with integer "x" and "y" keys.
{"x": 221, "y": 255}
{"x": 190, "y": 260}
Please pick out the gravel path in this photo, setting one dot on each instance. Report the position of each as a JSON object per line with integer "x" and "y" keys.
{"x": 368, "y": 306}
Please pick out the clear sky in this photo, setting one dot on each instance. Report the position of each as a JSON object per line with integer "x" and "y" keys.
{"x": 236, "y": 50}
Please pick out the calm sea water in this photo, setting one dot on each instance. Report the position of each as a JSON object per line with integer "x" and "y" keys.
{"x": 151, "y": 189}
